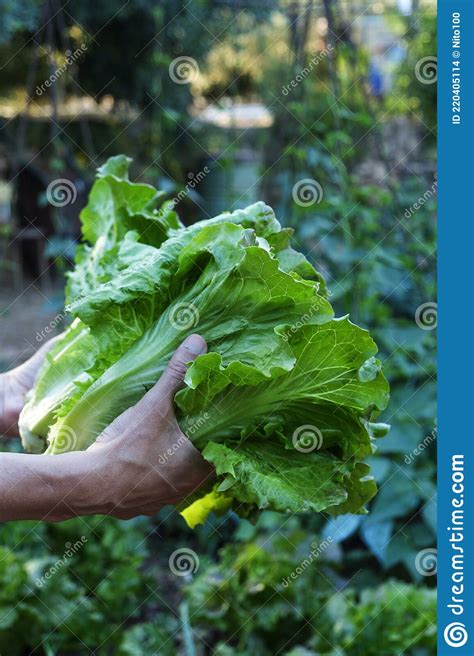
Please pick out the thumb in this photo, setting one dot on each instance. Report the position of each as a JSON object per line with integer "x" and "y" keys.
{"x": 162, "y": 394}
{"x": 172, "y": 378}
{"x": 26, "y": 373}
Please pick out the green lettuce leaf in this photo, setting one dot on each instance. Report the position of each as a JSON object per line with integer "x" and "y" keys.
{"x": 63, "y": 373}
{"x": 325, "y": 379}
{"x": 269, "y": 476}
{"x": 322, "y": 405}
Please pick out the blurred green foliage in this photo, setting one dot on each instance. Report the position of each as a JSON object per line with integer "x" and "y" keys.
{"x": 245, "y": 601}
{"x": 70, "y": 586}
{"x": 411, "y": 95}
{"x": 277, "y": 594}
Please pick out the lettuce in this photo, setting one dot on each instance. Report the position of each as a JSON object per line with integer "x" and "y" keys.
{"x": 283, "y": 403}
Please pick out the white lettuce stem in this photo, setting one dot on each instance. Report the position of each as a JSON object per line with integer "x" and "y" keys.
{"x": 119, "y": 387}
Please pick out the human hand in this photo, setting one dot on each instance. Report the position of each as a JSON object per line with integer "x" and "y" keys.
{"x": 139, "y": 464}
{"x": 15, "y": 384}
{"x": 143, "y": 461}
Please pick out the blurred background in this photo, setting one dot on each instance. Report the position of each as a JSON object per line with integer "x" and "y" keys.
{"x": 325, "y": 109}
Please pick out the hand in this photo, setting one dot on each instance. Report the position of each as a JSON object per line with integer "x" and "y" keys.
{"x": 139, "y": 464}
{"x": 143, "y": 458}
{"x": 14, "y": 386}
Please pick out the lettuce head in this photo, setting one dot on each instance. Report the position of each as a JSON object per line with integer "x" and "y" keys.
{"x": 284, "y": 402}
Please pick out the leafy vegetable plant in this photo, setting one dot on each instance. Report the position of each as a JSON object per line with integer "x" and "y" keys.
{"x": 284, "y": 402}
{"x": 268, "y": 579}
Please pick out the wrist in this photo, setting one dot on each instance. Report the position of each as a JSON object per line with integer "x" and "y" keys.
{"x": 71, "y": 484}
{"x": 48, "y": 488}
{"x": 90, "y": 488}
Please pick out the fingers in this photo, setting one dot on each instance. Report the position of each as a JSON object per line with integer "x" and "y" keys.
{"x": 26, "y": 372}
{"x": 173, "y": 377}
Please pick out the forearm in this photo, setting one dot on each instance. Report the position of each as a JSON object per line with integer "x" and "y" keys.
{"x": 51, "y": 488}
{"x": 123, "y": 473}
{"x": 15, "y": 384}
